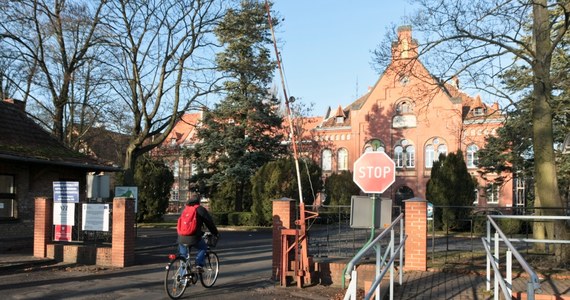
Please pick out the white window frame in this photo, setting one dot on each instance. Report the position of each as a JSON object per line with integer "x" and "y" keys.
{"x": 429, "y": 156}
{"x": 8, "y": 197}
{"x": 472, "y": 160}
{"x": 342, "y": 159}
{"x": 399, "y": 156}
{"x": 410, "y": 155}
{"x": 493, "y": 193}
{"x": 326, "y": 163}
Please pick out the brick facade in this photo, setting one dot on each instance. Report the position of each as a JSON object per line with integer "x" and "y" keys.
{"x": 123, "y": 252}
{"x": 283, "y": 218}
{"x": 416, "y": 228}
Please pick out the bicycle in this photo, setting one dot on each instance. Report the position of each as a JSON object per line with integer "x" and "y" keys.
{"x": 181, "y": 271}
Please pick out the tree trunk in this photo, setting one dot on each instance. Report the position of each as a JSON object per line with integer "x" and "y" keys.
{"x": 545, "y": 168}
{"x": 129, "y": 166}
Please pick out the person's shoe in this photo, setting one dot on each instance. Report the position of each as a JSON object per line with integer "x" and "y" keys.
{"x": 199, "y": 269}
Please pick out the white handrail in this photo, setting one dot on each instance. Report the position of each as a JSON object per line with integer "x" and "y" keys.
{"x": 351, "y": 266}
{"x": 534, "y": 282}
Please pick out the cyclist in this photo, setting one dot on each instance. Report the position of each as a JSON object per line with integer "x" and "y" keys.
{"x": 195, "y": 240}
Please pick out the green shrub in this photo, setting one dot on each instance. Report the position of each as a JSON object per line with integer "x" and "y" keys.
{"x": 240, "y": 219}
{"x": 510, "y": 226}
{"x": 220, "y": 218}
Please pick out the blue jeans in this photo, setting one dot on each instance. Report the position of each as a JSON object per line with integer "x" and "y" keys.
{"x": 200, "y": 256}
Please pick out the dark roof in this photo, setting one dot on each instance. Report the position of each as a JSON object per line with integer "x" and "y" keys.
{"x": 21, "y": 139}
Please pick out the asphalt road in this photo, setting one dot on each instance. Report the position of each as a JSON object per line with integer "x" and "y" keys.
{"x": 245, "y": 272}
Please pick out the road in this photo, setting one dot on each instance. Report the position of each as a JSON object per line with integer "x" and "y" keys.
{"x": 245, "y": 271}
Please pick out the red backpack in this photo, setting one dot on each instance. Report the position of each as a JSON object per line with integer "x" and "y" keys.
{"x": 188, "y": 223}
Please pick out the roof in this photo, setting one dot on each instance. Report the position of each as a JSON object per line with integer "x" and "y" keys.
{"x": 21, "y": 139}
{"x": 184, "y": 131}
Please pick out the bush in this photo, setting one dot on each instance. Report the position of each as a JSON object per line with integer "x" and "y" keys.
{"x": 240, "y": 219}
{"x": 220, "y": 218}
{"x": 510, "y": 226}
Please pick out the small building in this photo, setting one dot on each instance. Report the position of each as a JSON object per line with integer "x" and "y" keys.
{"x": 31, "y": 159}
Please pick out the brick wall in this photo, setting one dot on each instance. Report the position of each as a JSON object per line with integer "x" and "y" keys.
{"x": 123, "y": 243}
{"x": 416, "y": 229}
{"x": 330, "y": 273}
{"x": 43, "y": 225}
{"x": 283, "y": 218}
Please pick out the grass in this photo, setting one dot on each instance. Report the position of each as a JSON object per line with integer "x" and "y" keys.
{"x": 476, "y": 263}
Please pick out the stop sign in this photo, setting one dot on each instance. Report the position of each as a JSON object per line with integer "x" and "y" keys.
{"x": 374, "y": 172}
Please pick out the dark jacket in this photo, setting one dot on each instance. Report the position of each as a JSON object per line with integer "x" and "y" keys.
{"x": 203, "y": 218}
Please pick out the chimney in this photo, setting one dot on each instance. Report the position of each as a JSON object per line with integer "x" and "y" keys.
{"x": 455, "y": 81}
{"x": 405, "y": 47}
{"x": 20, "y": 105}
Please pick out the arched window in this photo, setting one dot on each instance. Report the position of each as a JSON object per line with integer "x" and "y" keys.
{"x": 410, "y": 157}
{"x": 433, "y": 149}
{"x": 404, "y": 107}
{"x": 429, "y": 157}
{"x": 441, "y": 149}
{"x": 342, "y": 159}
{"x": 472, "y": 159}
{"x": 399, "y": 156}
{"x": 374, "y": 145}
{"x": 327, "y": 160}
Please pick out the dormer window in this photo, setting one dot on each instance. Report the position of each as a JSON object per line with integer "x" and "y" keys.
{"x": 478, "y": 111}
{"x": 339, "y": 120}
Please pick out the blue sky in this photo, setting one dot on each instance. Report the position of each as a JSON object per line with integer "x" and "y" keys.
{"x": 326, "y": 47}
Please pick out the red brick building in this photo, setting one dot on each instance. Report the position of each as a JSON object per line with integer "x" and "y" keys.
{"x": 408, "y": 113}
{"x": 413, "y": 117}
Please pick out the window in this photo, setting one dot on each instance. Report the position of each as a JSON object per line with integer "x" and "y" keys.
{"x": 410, "y": 157}
{"x": 374, "y": 145}
{"x": 429, "y": 157}
{"x": 476, "y": 201}
{"x": 175, "y": 169}
{"x": 342, "y": 159}
{"x": 327, "y": 160}
{"x": 441, "y": 149}
{"x": 8, "y": 203}
{"x": 433, "y": 149}
{"x": 478, "y": 111}
{"x": 492, "y": 193}
{"x": 339, "y": 120}
{"x": 404, "y": 107}
{"x": 399, "y": 156}
{"x": 472, "y": 159}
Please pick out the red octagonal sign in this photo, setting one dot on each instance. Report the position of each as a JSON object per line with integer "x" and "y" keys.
{"x": 374, "y": 172}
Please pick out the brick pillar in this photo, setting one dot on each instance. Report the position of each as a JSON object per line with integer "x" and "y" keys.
{"x": 416, "y": 229}
{"x": 123, "y": 242}
{"x": 43, "y": 224}
{"x": 283, "y": 218}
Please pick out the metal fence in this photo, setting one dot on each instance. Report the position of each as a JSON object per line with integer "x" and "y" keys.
{"x": 331, "y": 236}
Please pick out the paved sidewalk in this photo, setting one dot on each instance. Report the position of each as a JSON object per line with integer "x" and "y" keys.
{"x": 449, "y": 285}
{"x": 416, "y": 285}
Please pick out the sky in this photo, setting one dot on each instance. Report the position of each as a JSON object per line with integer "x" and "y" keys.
{"x": 326, "y": 47}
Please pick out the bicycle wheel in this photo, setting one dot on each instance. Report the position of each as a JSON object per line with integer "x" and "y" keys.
{"x": 211, "y": 269}
{"x": 175, "y": 281}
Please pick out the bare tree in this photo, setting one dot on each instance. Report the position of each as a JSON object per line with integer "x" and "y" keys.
{"x": 51, "y": 40}
{"x": 162, "y": 59}
{"x": 481, "y": 40}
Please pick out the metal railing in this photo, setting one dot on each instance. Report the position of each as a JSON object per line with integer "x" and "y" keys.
{"x": 505, "y": 283}
{"x": 384, "y": 261}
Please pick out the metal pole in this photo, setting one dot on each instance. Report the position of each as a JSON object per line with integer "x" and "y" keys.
{"x": 291, "y": 131}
